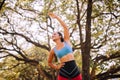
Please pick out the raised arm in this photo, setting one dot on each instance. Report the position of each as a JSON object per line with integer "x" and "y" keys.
{"x": 66, "y": 31}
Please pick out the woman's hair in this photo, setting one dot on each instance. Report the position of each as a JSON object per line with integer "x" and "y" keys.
{"x": 60, "y": 34}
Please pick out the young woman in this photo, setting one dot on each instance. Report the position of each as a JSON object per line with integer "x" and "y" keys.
{"x": 68, "y": 69}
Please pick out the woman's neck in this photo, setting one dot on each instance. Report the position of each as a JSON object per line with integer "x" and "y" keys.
{"x": 58, "y": 42}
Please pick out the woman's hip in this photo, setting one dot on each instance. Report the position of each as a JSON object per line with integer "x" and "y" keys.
{"x": 70, "y": 70}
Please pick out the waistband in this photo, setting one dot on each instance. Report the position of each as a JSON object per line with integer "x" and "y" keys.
{"x": 70, "y": 70}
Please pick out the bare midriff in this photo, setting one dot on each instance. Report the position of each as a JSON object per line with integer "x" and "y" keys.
{"x": 66, "y": 58}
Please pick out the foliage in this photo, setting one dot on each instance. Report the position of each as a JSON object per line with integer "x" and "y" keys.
{"x": 25, "y": 31}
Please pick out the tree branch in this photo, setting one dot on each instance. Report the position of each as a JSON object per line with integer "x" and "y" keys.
{"x": 109, "y": 73}
{"x": 103, "y": 58}
{"x": 1, "y": 4}
{"x": 105, "y": 14}
{"x": 5, "y": 32}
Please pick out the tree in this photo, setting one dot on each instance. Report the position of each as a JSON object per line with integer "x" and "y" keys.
{"x": 86, "y": 45}
{"x": 25, "y": 23}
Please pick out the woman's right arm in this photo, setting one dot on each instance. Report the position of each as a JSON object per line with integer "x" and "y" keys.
{"x": 50, "y": 58}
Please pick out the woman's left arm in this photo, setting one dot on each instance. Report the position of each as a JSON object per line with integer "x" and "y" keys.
{"x": 66, "y": 30}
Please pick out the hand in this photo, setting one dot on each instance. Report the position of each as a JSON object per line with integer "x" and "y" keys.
{"x": 52, "y": 15}
{"x": 60, "y": 65}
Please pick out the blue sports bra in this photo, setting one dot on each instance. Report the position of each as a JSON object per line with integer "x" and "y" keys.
{"x": 64, "y": 51}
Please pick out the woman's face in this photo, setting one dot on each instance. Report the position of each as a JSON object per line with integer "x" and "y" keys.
{"x": 55, "y": 36}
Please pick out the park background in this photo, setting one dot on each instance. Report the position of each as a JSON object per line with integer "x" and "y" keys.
{"x": 25, "y": 37}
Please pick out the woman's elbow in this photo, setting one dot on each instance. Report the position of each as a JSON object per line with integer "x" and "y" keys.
{"x": 49, "y": 63}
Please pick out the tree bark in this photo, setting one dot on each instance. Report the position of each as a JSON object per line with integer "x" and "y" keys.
{"x": 87, "y": 44}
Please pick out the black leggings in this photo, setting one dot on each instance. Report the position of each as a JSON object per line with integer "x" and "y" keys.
{"x": 70, "y": 70}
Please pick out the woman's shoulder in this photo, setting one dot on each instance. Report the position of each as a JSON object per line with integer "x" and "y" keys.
{"x": 52, "y": 50}
{"x": 67, "y": 42}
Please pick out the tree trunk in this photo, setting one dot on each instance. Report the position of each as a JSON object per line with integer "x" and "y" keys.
{"x": 87, "y": 45}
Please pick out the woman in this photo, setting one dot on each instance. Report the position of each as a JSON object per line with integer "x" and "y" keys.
{"x": 68, "y": 69}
